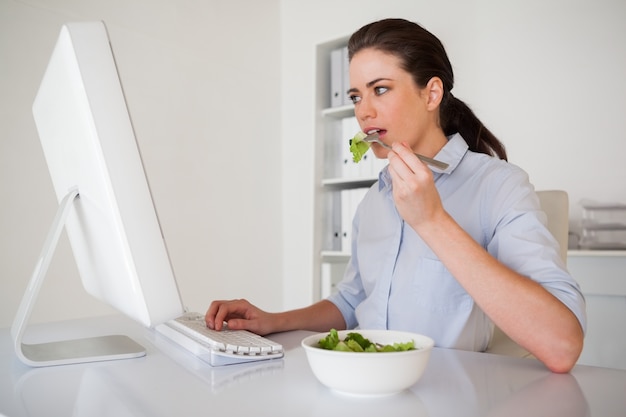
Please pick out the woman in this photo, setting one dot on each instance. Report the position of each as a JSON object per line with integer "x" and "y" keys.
{"x": 444, "y": 253}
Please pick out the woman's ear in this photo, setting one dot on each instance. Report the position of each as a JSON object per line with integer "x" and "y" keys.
{"x": 434, "y": 89}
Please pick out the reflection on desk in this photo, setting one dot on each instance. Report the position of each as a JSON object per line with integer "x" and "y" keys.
{"x": 169, "y": 381}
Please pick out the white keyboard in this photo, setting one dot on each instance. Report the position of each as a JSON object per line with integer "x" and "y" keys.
{"x": 218, "y": 348}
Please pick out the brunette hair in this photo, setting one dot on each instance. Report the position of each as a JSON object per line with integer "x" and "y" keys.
{"x": 423, "y": 56}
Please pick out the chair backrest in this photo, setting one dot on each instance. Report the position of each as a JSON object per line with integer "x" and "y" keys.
{"x": 555, "y": 203}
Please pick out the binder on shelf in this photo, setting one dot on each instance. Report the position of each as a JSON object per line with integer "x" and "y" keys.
{"x": 335, "y": 239}
{"x": 346, "y": 220}
{"x": 336, "y": 78}
{"x": 350, "y": 200}
{"x": 345, "y": 73}
{"x": 339, "y": 77}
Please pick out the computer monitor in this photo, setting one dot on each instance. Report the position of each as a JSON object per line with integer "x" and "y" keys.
{"x": 105, "y": 204}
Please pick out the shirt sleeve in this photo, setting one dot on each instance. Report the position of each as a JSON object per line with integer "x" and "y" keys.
{"x": 521, "y": 240}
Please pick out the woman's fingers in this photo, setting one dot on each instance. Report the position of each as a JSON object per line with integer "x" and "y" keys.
{"x": 223, "y": 310}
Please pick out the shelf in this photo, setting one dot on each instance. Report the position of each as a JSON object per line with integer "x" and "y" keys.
{"x": 348, "y": 183}
{"x": 606, "y": 227}
{"x": 335, "y": 256}
{"x": 339, "y": 112}
{"x": 596, "y": 252}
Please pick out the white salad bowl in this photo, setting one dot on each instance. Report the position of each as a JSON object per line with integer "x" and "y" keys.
{"x": 369, "y": 373}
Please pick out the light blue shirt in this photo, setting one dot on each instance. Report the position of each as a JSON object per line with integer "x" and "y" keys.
{"x": 394, "y": 280}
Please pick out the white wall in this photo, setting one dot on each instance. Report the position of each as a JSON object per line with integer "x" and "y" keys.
{"x": 202, "y": 81}
{"x": 547, "y": 77}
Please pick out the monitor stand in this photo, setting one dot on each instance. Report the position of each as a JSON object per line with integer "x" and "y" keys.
{"x": 94, "y": 349}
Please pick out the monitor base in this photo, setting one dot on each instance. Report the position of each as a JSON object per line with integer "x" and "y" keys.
{"x": 93, "y": 349}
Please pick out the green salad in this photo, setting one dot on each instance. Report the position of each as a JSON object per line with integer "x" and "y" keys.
{"x": 358, "y": 147}
{"x": 355, "y": 342}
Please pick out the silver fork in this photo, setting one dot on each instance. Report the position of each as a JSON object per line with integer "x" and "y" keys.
{"x": 374, "y": 138}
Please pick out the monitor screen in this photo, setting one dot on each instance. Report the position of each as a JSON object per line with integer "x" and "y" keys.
{"x": 90, "y": 148}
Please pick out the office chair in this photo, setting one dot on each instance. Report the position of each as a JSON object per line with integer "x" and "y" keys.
{"x": 555, "y": 203}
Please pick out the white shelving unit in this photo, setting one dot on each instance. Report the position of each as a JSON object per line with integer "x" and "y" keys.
{"x": 330, "y": 260}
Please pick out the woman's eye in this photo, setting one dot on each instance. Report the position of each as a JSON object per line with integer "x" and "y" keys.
{"x": 354, "y": 99}
{"x": 380, "y": 90}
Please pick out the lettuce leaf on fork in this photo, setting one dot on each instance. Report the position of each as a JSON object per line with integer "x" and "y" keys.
{"x": 358, "y": 147}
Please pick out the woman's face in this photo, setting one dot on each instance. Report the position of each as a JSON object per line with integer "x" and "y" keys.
{"x": 387, "y": 100}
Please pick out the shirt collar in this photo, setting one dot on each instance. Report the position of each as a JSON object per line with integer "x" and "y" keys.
{"x": 452, "y": 153}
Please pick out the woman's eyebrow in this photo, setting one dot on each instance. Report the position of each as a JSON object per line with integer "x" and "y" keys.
{"x": 368, "y": 85}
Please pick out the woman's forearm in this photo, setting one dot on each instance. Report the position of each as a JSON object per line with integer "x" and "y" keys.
{"x": 521, "y": 307}
{"x": 319, "y": 317}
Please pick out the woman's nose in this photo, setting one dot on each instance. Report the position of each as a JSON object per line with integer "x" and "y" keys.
{"x": 364, "y": 110}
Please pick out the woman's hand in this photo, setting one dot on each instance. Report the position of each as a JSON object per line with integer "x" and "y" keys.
{"x": 239, "y": 315}
{"x": 414, "y": 191}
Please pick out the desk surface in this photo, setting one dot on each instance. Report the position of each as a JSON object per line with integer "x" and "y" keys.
{"x": 171, "y": 382}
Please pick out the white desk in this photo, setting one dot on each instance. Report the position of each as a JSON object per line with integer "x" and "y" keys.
{"x": 169, "y": 382}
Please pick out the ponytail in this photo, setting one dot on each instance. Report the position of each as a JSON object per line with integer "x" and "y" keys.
{"x": 456, "y": 116}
